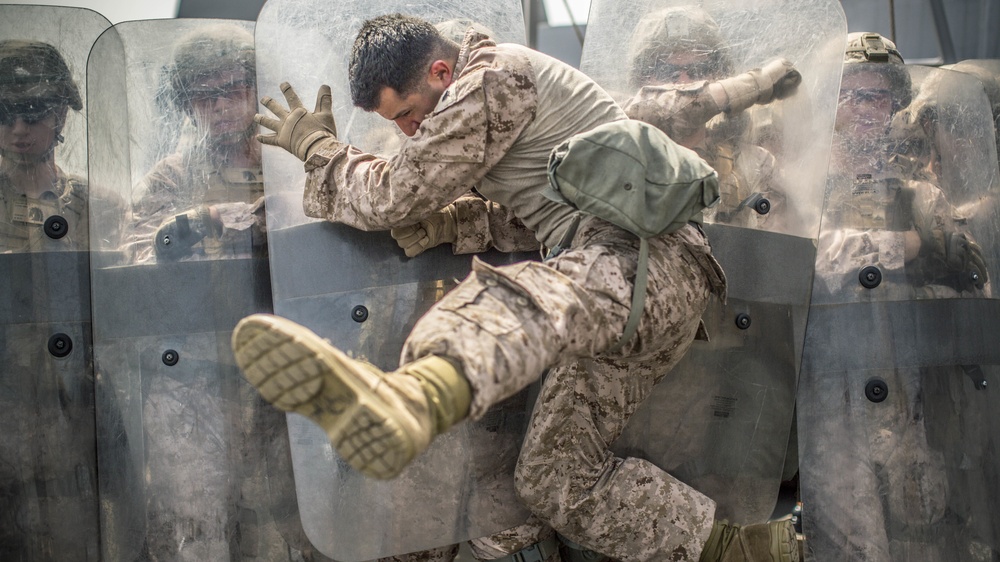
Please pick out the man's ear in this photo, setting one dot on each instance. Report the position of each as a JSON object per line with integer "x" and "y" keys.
{"x": 440, "y": 74}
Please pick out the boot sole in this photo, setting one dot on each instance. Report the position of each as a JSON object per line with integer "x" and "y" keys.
{"x": 297, "y": 371}
{"x": 784, "y": 542}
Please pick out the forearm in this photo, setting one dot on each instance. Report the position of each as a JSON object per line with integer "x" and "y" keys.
{"x": 346, "y": 185}
{"x": 677, "y": 111}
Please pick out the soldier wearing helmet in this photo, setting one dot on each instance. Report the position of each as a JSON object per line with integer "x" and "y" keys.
{"x": 913, "y": 221}
{"x": 204, "y": 201}
{"x": 37, "y": 91}
{"x": 888, "y": 234}
{"x": 683, "y": 71}
{"x": 206, "y": 198}
{"x": 48, "y": 473}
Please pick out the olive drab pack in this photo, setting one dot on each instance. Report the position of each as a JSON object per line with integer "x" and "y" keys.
{"x": 359, "y": 290}
{"x": 634, "y": 176}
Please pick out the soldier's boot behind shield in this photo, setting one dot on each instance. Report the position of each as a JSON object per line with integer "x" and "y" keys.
{"x": 774, "y": 541}
{"x": 377, "y": 421}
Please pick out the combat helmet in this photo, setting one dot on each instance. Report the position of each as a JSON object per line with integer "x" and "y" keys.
{"x": 866, "y": 48}
{"x": 673, "y": 31}
{"x": 207, "y": 52}
{"x": 35, "y": 78}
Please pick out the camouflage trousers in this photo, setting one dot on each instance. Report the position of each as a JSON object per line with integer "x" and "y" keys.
{"x": 507, "y": 325}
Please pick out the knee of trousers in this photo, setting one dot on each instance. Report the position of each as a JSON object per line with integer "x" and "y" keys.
{"x": 541, "y": 491}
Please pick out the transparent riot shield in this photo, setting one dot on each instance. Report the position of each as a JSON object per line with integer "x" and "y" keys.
{"x": 720, "y": 420}
{"x": 898, "y": 458}
{"x": 360, "y": 291}
{"x": 988, "y": 73}
{"x": 48, "y": 463}
{"x": 193, "y": 465}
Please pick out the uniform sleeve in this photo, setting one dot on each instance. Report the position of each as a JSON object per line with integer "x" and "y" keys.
{"x": 471, "y": 129}
{"x": 483, "y": 225}
{"x": 678, "y": 111}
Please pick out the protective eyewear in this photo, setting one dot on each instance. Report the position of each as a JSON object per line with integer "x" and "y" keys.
{"x": 866, "y": 95}
{"x": 29, "y": 113}
{"x": 201, "y": 94}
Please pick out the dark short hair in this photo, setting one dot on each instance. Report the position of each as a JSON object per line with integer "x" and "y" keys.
{"x": 392, "y": 50}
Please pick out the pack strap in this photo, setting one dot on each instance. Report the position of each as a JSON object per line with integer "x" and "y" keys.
{"x": 566, "y": 241}
{"x": 638, "y": 296}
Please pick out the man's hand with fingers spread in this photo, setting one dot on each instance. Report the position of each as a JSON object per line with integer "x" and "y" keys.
{"x": 296, "y": 129}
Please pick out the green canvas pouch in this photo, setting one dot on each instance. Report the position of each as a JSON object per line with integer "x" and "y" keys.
{"x": 634, "y": 176}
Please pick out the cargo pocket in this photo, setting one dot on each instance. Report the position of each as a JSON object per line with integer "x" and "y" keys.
{"x": 700, "y": 255}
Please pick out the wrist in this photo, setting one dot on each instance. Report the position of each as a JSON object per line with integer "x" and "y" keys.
{"x": 314, "y": 143}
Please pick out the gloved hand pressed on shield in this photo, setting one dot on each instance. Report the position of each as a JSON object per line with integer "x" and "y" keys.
{"x": 956, "y": 252}
{"x": 177, "y": 236}
{"x": 296, "y": 129}
{"x": 439, "y": 228}
{"x": 942, "y": 244}
{"x": 776, "y": 80}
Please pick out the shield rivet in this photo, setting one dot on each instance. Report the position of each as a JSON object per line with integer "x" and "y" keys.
{"x": 171, "y": 357}
{"x": 55, "y": 227}
{"x": 359, "y": 313}
{"x": 876, "y": 390}
{"x": 743, "y": 321}
{"x": 870, "y": 277}
{"x": 60, "y": 345}
{"x": 762, "y": 206}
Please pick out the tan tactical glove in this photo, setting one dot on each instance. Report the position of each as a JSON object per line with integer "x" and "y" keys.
{"x": 953, "y": 251}
{"x": 177, "y": 236}
{"x": 777, "y": 80}
{"x": 439, "y": 228}
{"x": 297, "y": 130}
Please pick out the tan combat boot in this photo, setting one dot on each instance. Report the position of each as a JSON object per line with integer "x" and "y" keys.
{"x": 773, "y": 541}
{"x": 378, "y": 422}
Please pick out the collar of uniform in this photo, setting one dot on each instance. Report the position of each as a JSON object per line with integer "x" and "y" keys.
{"x": 473, "y": 40}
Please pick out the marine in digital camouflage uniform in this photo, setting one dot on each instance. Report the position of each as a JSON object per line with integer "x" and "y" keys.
{"x": 885, "y": 495}
{"x": 214, "y": 178}
{"x": 211, "y": 444}
{"x": 488, "y": 115}
{"x": 36, "y": 93}
{"x": 683, "y": 72}
{"x": 48, "y": 480}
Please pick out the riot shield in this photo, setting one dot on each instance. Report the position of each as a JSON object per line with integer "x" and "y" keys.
{"x": 988, "y": 73}
{"x": 896, "y": 458}
{"x": 360, "y": 291}
{"x": 48, "y": 464}
{"x": 720, "y": 420}
{"x": 193, "y": 465}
